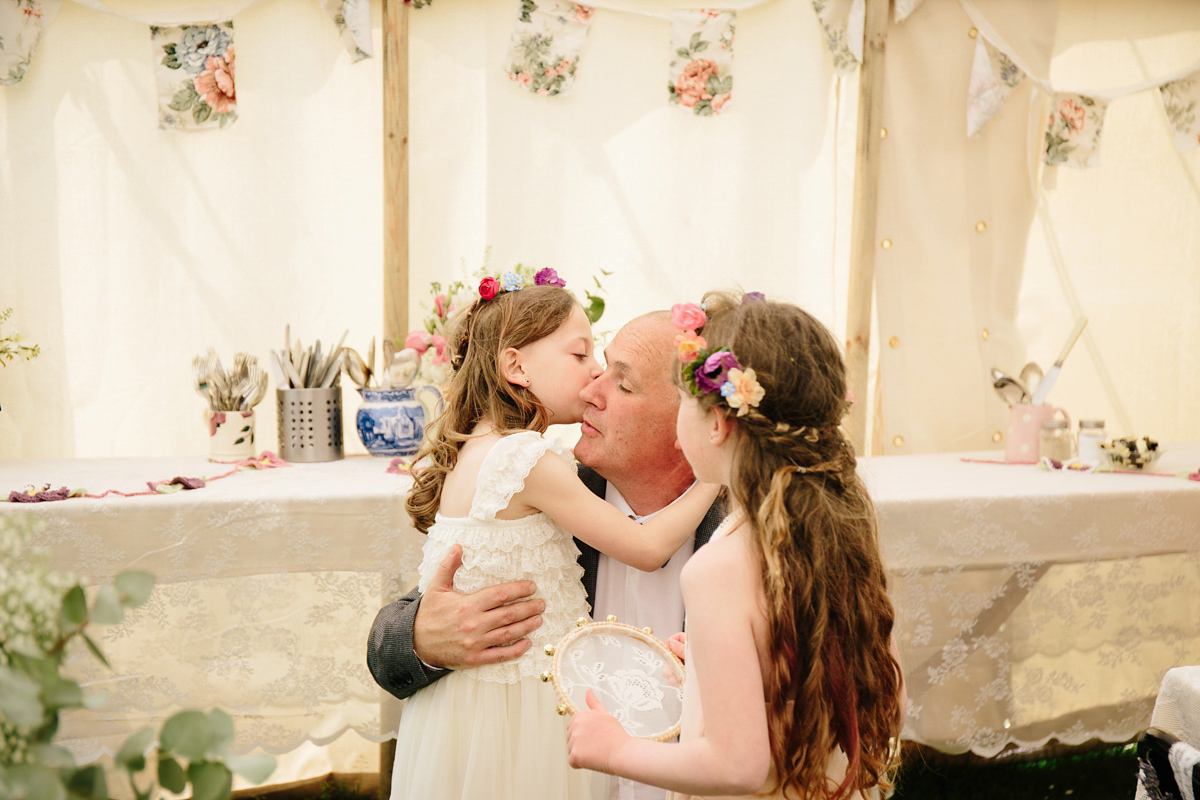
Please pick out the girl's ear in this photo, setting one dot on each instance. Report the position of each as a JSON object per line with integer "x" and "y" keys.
{"x": 512, "y": 367}
{"x": 723, "y": 425}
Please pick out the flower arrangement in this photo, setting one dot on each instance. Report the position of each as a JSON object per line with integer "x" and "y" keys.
{"x": 11, "y": 346}
{"x": 429, "y": 341}
{"x": 42, "y": 613}
{"x": 713, "y": 371}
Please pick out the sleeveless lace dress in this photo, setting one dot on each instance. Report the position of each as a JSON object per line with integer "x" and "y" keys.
{"x": 491, "y": 732}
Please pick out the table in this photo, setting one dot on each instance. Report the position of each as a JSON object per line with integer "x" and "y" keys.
{"x": 1031, "y": 604}
{"x": 267, "y": 584}
{"x": 1034, "y": 604}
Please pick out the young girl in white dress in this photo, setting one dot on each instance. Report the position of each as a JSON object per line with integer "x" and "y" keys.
{"x": 511, "y": 498}
{"x": 793, "y": 685}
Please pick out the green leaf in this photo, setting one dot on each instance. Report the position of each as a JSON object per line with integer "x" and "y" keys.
{"x": 170, "y": 57}
{"x": 201, "y": 111}
{"x": 239, "y": 440}
{"x": 95, "y": 650}
{"x": 51, "y": 755}
{"x": 106, "y": 608}
{"x": 220, "y": 726}
{"x": 171, "y": 775}
{"x": 186, "y": 734}
{"x": 74, "y": 608}
{"x": 33, "y": 781}
{"x": 89, "y": 782}
{"x": 254, "y": 768}
{"x": 19, "y": 702}
{"x": 595, "y": 308}
{"x": 62, "y": 693}
{"x": 184, "y": 98}
{"x": 94, "y": 700}
{"x": 132, "y": 755}
{"x": 134, "y": 587}
{"x": 701, "y": 45}
{"x": 210, "y": 780}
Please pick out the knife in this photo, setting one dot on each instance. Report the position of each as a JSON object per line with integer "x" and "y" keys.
{"x": 1051, "y": 375}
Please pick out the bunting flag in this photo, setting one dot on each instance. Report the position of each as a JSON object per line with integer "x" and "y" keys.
{"x": 21, "y": 26}
{"x": 701, "y": 72}
{"x": 353, "y": 21}
{"x": 1181, "y": 99}
{"x": 194, "y": 71}
{"x": 1072, "y": 135}
{"x": 842, "y": 23}
{"x": 546, "y": 45}
{"x": 904, "y": 8}
{"x": 993, "y": 77}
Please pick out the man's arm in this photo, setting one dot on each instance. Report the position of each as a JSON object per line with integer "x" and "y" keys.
{"x": 420, "y": 638}
{"x": 391, "y": 656}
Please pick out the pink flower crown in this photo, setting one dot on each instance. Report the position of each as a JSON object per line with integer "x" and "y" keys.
{"x": 712, "y": 371}
{"x": 489, "y": 287}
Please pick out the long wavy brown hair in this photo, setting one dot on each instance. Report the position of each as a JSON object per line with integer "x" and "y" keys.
{"x": 832, "y": 679}
{"x": 478, "y": 391}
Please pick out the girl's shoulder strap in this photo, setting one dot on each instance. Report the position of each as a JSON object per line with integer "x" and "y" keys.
{"x": 505, "y": 468}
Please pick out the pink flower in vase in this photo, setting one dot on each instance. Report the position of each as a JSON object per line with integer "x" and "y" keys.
{"x": 419, "y": 341}
{"x": 441, "y": 306}
{"x": 439, "y": 349}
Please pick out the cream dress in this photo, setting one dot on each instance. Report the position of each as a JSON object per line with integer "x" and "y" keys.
{"x": 492, "y": 732}
{"x": 692, "y": 718}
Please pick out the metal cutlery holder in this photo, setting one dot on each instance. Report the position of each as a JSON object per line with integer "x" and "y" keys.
{"x": 310, "y": 424}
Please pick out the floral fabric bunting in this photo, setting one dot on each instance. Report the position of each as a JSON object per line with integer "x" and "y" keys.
{"x": 194, "y": 66}
{"x": 546, "y": 45}
{"x": 1072, "y": 134}
{"x": 904, "y": 8}
{"x": 353, "y": 20}
{"x": 834, "y": 16}
{"x": 1181, "y": 99}
{"x": 21, "y": 26}
{"x": 702, "y": 62}
{"x": 993, "y": 77}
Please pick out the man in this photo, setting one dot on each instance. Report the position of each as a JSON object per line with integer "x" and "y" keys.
{"x": 630, "y": 458}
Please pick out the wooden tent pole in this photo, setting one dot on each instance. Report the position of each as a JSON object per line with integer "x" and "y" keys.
{"x": 395, "y": 224}
{"x": 395, "y": 169}
{"x": 862, "y": 235}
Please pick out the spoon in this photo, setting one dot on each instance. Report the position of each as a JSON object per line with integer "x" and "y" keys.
{"x": 1010, "y": 389}
{"x": 1031, "y": 375}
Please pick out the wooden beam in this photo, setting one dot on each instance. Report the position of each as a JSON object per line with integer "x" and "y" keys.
{"x": 395, "y": 223}
{"x": 863, "y": 246}
{"x": 395, "y": 169}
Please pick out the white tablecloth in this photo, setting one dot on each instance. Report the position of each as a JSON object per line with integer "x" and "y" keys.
{"x": 267, "y": 583}
{"x": 1034, "y": 604}
{"x": 1030, "y": 604}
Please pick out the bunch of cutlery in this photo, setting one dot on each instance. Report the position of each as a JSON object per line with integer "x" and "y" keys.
{"x": 238, "y": 389}
{"x": 297, "y": 367}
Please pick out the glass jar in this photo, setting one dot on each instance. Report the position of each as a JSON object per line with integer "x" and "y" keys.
{"x": 1091, "y": 434}
{"x": 1056, "y": 441}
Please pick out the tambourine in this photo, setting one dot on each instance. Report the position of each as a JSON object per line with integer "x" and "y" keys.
{"x": 631, "y": 672}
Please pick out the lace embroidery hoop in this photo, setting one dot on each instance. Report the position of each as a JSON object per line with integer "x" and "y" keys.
{"x": 631, "y": 672}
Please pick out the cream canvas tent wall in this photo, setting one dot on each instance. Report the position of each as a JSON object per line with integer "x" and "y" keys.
{"x": 126, "y": 250}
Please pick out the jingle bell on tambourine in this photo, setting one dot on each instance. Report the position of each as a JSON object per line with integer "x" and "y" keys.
{"x": 631, "y": 672}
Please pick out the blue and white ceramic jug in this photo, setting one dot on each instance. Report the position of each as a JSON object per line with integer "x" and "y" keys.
{"x": 391, "y": 422}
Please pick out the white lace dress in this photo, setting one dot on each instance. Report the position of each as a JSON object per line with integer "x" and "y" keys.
{"x": 492, "y": 732}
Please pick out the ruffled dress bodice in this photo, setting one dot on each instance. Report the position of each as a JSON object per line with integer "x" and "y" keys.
{"x": 497, "y": 551}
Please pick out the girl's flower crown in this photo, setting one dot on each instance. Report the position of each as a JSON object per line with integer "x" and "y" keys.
{"x": 712, "y": 371}
{"x": 489, "y": 287}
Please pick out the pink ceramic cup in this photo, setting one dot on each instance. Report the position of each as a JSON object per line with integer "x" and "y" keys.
{"x": 1024, "y": 430}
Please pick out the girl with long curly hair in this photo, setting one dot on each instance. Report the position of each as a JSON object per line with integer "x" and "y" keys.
{"x": 793, "y": 688}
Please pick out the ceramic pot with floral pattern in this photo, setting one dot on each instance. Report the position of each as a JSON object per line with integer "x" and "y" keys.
{"x": 391, "y": 422}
